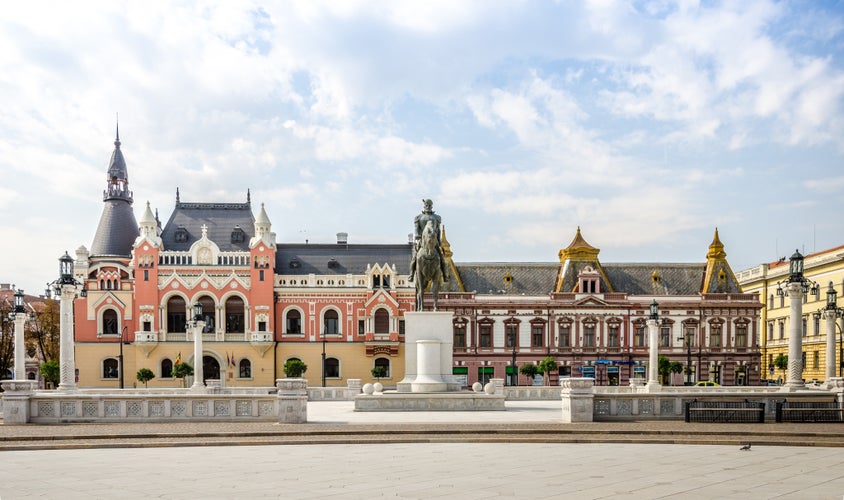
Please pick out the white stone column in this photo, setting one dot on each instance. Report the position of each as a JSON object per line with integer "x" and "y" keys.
{"x": 577, "y": 397}
{"x": 198, "y": 375}
{"x": 20, "y": 359}
{"x": 653, "y": 355}
{"x": 831, "y": 316}
{"x": 795, "y": 337}
{"x": 67, "y": 361}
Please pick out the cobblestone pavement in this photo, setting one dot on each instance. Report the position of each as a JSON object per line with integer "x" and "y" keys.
{"x": 524, "y": 451}
{"x": 426, "y": 470}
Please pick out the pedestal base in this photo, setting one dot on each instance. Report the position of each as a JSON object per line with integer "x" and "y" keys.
{"x": 442, "y": 401}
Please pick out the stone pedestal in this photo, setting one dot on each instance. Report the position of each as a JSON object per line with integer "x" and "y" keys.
{"x": 16, "y": 401}
{"x": 428, "y": 368}
{"x": 577, "y": 396}
{"x": 292, "y": 400}
{"x": 427, "y": 326}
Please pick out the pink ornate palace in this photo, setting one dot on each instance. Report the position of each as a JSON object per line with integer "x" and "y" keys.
{"x": 339, "y": 307}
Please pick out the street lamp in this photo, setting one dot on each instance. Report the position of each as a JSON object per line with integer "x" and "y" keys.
{"x": 833, "y": 312}
{"x": 67, "y": 288}
{"x": 795, "y": 287}
{"x": 653, "y": 347}
{"x": 197, "y": 325}
{"x": 120, "y": 356}
{"x": 515, "y": 375}
{"x": 688, "y": 338}
{"x": 324, "y": 331}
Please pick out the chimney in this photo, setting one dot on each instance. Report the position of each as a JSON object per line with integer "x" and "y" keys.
{"x": 342, "y": 238}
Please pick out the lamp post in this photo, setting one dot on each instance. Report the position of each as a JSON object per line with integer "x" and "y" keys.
{"x": 120, "y": 356}
{"x": 832, "y": 312}
{"x": 68, "y": 288}
{"x": 514, "y": 380}
{"x": 197, "y": 325}
{"x": 324, "y": 330}
{"x": 688, "y": 339}
{"x": 19, "y": 317}
{"x": 653, "y": 348}
{"x": 796, "y": 286}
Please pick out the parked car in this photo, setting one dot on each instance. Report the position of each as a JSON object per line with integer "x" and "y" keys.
{"x": 707, "y": 383}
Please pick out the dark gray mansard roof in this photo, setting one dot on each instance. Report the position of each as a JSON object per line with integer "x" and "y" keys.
{"x": 117, "y": 230}
{"x": 348, "y": 259}
{"x": 220, "y": 218}
{"x": 535, "y": 278}
{"x": 540, "y": 278}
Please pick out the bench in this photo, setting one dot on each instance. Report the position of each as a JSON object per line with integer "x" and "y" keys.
{"x": 725, "y": 411}
{"x": 809, "y": 411}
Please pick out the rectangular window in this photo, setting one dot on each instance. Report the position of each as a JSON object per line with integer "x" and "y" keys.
{"x": 689, "y": 336}
{"x": 771, "y": 302}
{"x": 565, "y": 336}
{"x": 147, "y": 326}
{"x": 262, "y": 326}
{"x": 741, "y": 336}
{"x": 537, "y": 335}
{"x": 639, "y": 337}
{"x": 564, "y": 371}
{"x": 486, "y": 336}
{"x": 460, "y": 335}
{"x": 146, "y": 275}
{"x": 512, "y": 331}
{"x": 485, "y": 374}
{"x": 715, "y": 336}
{"x": 804, "y": 326}
{"x": 401, "y": 327}
{"x": 612, "y": 336}
{"x": 664, "y": 336}
{"x": 816, "y": 360}
{"x": 782, "y": 300}
{"x": 782, "y": 330}
{"x": 770, "y": 331}
{"x": 817, "y": 324}
{"x": 261, "y": 275}
{"x": 361, "y": 327}
{"x": 588, "y": 335}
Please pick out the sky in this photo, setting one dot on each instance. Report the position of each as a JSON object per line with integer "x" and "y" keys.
{"x": 648, "y": 124}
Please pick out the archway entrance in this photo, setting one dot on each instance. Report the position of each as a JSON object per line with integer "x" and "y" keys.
{"x": 210, "y": 368}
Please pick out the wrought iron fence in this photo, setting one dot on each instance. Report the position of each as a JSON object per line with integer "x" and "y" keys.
{"x": 725, "y": 411}
{"x": 809, "y": 411}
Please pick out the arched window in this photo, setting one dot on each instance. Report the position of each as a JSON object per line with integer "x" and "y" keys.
{"x": 332, "y": 368}
{"x": 176, "y": 317}
{"x": 294, "y": 321}
{"x": 110, "y": 368}
{"x": 385, "y": 363}
{"x": 382, "y": 321}
{"x": 207, "y": 313}
{"x": 331, "y": 322}
{"x": 166, "y": 368}
{"x": 234, "y": 315}
{"x": 110, "y": 326}
{"x": 245, "y": 368}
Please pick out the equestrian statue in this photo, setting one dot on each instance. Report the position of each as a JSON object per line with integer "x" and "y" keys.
{"x": 427, "y": 266}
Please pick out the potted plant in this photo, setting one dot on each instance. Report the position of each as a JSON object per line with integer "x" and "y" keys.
{"x": 294, "y": 368}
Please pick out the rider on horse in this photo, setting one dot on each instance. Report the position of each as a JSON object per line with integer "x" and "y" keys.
{"x": 419, "y": 223}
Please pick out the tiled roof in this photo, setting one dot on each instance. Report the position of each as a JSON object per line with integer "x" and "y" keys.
{"x": 530, "y": 278}
{"x": 220, "y": 218}
{"x": 673, "y": 278}
{"x": 117, "y": 230}
{"x": 347, "y": 259}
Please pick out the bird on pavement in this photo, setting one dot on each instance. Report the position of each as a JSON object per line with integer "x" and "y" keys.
{"x": 745, "y": 447}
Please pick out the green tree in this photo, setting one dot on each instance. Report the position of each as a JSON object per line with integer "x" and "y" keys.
{"x": 781, "y": 362}
{"x": 663, "y": 368}
{"x": 546, "y": 367}
{"x": 676, "y": 367}
{"x": 529, "y": 370}
{"x": 43, "y": 330}
{"x": 379, "y": 372}
{"x": 295, "y": 368}
{"x": 144, "y": 375}
{"x": 51, "y": 372}
{"x": 182, "y": 370}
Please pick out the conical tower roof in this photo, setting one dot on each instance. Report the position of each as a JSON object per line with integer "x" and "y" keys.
{"x": 118, "y": 228}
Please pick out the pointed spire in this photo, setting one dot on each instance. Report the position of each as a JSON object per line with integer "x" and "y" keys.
{"x": 262, "y": 216}
{"x": 117, "y": 133}
{"x": 177, "y": 195}
{"x": 578, "y": 249}
{"x": 249, "y": 197}
{"x": 716, "y": 248}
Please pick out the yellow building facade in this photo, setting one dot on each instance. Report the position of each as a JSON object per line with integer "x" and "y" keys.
{"x": 825, "y": 268}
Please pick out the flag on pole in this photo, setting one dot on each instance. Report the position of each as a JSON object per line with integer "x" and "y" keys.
{"x": 179, "y": 358}
{"x": 233, "y": 363}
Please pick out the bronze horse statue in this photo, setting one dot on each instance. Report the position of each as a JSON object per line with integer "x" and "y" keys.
{"x": 428, "y": 268}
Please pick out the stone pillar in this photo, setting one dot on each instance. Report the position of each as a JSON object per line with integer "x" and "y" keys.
{"x": 16, "y": 401}
{"x": 292, "y": 400}
{"x": 577, "y": 396}
{"x": 795, "y": 337}
{"x": 67, "y": 361}
{"x": 830, "y": 316}
{"x": 498, "y": 383}
{"x": 20, "y": 359}
{"x": 428, "y": 377}
{"x": 653, "y": 356}
{"x": 198, "y": 375}
{"x": 353, "y": 388}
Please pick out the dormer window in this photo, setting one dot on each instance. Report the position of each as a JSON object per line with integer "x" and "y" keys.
{"x": 589, "y": 281}
{"x": 181, "y": 235}
{"x": 294, "y": 264}
{"x": 238, "y": 236}
{"x": 332, "y": 263}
